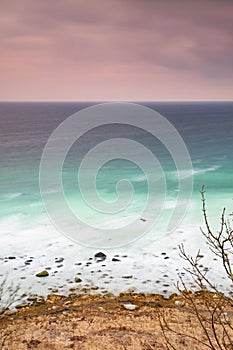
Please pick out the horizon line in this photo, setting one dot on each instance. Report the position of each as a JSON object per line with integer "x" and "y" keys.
{"x": 106, "y": 101}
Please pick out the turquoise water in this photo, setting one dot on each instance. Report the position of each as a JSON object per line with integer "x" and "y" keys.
{"x": 206, "y": 128}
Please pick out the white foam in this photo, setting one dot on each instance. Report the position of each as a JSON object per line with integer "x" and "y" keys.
{"x": 10, "y": 196}
{"x": 185, "y": 173}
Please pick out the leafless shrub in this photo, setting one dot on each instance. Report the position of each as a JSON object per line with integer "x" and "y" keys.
{"x": 208, "y": 307}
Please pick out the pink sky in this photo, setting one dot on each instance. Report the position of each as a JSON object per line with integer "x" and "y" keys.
{"x": 105, "y": 50}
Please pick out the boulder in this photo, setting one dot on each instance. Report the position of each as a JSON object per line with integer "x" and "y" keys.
{"x": 100, "y": 256}
{"x": 43, "y": 273}
{"x": 115, "y": 259}
{"x": 77, "y": 280}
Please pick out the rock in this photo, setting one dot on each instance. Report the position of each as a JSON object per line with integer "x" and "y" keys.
{"x": 9, "y": 313}
{"x": 43, "y": 273}
{"x": 77, "y": 280}
{"x": 130, "y": 306}
{"x": 32, "y": 297}
{"x": 115, "y": 259}
{"x": 95, "y": 288}
{"x": 180, "y": 303}
{"x": 109, "y": 296}
{"x": 40, "y": 301}
{"x": 100, "y": 257}
{"x": 21, "y": 306}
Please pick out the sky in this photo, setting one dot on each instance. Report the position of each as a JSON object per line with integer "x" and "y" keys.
{"x": 116, "y": 50}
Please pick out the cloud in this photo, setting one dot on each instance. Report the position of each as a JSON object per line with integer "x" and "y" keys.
{"x": 73, "y": 40}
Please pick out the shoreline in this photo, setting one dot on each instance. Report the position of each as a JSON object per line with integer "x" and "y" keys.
{"x": 150, "y": 269}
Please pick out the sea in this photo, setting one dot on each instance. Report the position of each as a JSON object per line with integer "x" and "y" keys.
{"x": 146, "y": 261}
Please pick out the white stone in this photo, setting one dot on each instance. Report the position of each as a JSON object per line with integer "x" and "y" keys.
{"x": 129, "y": 306}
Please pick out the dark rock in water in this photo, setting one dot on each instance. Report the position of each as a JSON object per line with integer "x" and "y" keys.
{"x": 100, "y": 256}
{"x": 115, "y": 259}
{"x": 43, "y": 273}
{"x": 77, "y": 280}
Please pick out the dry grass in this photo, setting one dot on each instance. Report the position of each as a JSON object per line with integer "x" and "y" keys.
{"x": 87, "y": 323}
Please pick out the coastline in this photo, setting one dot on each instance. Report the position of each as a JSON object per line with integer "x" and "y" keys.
{"x": 150, "y": 269}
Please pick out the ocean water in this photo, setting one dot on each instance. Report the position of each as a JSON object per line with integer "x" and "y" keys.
{"x": 25, "y": 229}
